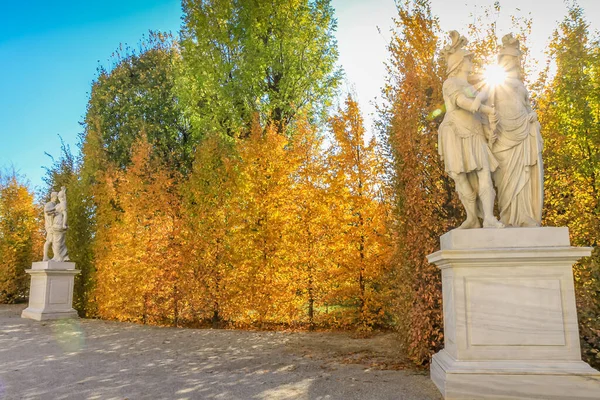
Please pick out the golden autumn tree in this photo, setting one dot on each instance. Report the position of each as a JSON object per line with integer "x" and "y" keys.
{"x": 137, "y": 247}
{"x": 20, "y": 237}
{"x": 423, "y": 198}
{"x": 133, "y": 94}
{"x": 207, "y": 274}
{"x": 266, "y": 285}
{"x": 312, "y": 223}
{"x": 361, "y": 236}
{"x": 568, "y": 112}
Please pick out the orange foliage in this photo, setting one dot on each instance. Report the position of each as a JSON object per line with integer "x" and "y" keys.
{"x": 361, "y": 243}
{"x": 312, "y": 226}
{"x": 425, "y": 205}
{"x": 207, "y": 272}
{"x": 21, "y": 241}
{"x": 268, "y": 291}
{"x": 259, "y": 234}
{"x": 137, "y": 249}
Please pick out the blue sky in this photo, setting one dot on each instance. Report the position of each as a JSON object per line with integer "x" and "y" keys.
{"x": 49, "y": 52}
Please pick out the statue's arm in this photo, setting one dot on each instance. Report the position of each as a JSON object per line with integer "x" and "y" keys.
{"x": 48, "y": 223}
{"x": 474, "y": 104}
{"x": 64, "y": 213}
{"x": 532, "y": 114}
{"x": 528, "y": 108}
{"x": 489, "y": 133}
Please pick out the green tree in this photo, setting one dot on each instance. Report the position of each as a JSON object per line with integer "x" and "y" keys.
{"x": 242, "y": 57}
{"x": 67, "y": 170}
{"x": 136, "y": 94}
{"x": 569, "y": 111}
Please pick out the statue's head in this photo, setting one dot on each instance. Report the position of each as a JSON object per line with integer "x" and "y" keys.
{"x": 509, "y": 56}
{"x": 62, "y": 195}
{"x": 53, "y": 197}
{"x": 457, "y": 58}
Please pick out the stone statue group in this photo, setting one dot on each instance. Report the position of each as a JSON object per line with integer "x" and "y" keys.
{"x": 491, "y": 133}
{"x": 55, "y": 221}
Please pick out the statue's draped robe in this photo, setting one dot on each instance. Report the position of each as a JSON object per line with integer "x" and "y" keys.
{"x": 59, "y": 247}
{"x": 518, "y": 149}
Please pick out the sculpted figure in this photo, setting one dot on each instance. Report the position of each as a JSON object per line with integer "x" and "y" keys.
{"x": 518, "y": 148}
{"x": 49, "y": 210}
{"x": 59, "y": 228}
{"x": 464, "y": 135}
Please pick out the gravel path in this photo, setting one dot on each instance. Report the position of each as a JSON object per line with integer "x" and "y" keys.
{"x": 93, "y": 359}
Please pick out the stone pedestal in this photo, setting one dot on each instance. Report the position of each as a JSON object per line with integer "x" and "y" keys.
{"x": 510, "y": 321}
{"x": 51, "y": 291}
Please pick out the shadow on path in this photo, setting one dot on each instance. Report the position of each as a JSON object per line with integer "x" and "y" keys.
{"x": 93, "y": 359}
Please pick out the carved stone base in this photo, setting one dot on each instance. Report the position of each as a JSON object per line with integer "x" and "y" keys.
{"x": 510, "y": 320}
{"x": 51, "y": 291}
{"x": 514, "y": 379}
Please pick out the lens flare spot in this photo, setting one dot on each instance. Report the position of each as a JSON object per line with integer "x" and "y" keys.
{"x": 494, "y": 75}
{"x": 68, "y": 334}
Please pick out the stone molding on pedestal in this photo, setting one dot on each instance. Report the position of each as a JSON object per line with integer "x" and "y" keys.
{"x": 510, "y": 319}
{"x": 51, "y": 291}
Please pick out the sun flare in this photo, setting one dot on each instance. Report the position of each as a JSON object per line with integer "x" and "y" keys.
{"x": 494, "y": 75}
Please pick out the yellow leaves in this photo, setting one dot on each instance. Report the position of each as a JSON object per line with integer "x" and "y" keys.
{"x": 267, "y": 231}
{"x": 566, "y": 104}
{"x": 362, "y": 239}
{"x": 136, "y": 246}
{"x": 425, "y": 205}
{"x": 20, "y": 237}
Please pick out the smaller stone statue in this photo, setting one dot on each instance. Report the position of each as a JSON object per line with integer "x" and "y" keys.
{"x": 55, "y": 218}
{"x": 465, "y": 137}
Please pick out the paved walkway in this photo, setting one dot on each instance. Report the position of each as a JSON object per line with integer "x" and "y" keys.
{"x": 92, "y": 359}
